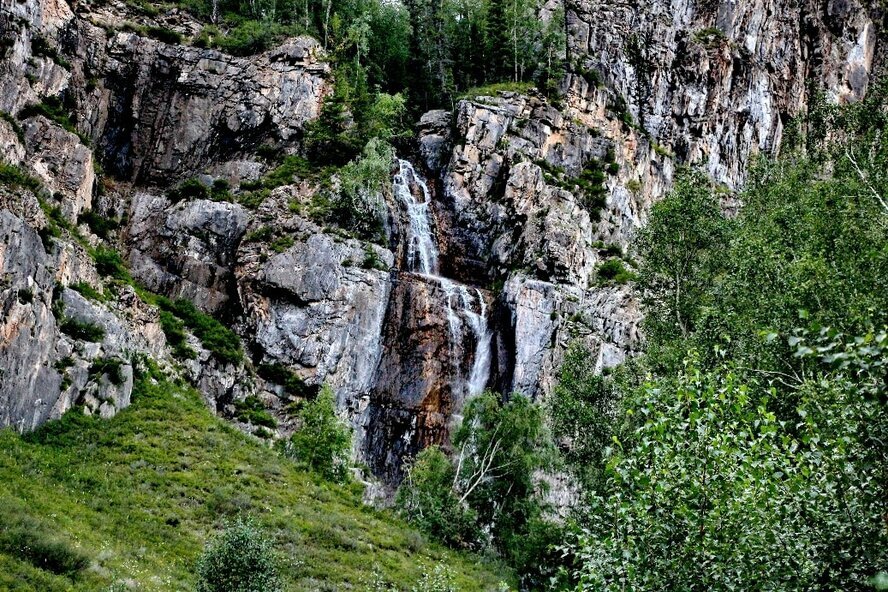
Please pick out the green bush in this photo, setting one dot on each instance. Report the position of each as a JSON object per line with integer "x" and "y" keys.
{"x": 216, "y": 337}
{"x": 174, "y": 330}
{"x": 16, "y": 127}
{"x": 164, "y": 34}
{"x": 323, "y": 442}
{"x": 292, "y": 382}
{"x": 109, "y": 367}
{"x": 252, "y": 411}
{"x": 613, "y": 270}
{"x": 101, "y": 226}
{"x": 240, "y": 559}
{"x": 188, "y": 190}
{"x": 82, "y": 330}
{"x": 109, "y": 263}
{"x": 40, "y": 47}
{"x": 371, "y": 260}
{"x": 87, "y": 291}
{"x": 247, "y": 38}
{"x": 281, "y": 244}
{"x": 260, "y": 235}
{"x": 12, "y": 176}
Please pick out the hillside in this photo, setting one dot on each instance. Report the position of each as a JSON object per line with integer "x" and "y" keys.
{"x": 137, "y": 496}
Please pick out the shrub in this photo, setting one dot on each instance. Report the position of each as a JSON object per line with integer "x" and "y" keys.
{"x": 13, "y": 176}
{"x": 174, "y": 330}
{"x": 187, "y": 190}
{"x": 25, "y": 296}
{"x": 260, "y": 235}
{"x": 87, "y": 291}
{"x": 53, "y": 109}
{"x": 109, "y": 263}
{"x": 359, "y": 206}
{"x": 248, "y": 38}
{"x": 16, "y": 128}
{"x": 40, "y": 47}
{"x": 240, "y": 559}
{"x": 292, "y": 382}
{"x": 372, "y": 260}
{"x": 614, "y": 271}
{"x": 281, "y": 244}
{"x": 99, "y": 225}
{"x": 323, "y": 442}
{"x": 440, "y": 579}
{"x": 164, "y": 34}
{"x": 216, "y": 337}
{"x": 82, "y": 330}
{"x": 109, "y": 367}
{"x": 251, "y": 410}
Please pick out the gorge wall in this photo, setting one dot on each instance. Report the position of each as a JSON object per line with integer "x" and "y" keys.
{"x": 491, "y": 268}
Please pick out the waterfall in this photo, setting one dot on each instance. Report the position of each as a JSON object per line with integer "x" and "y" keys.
{"x": 422, "y": 251}
{"x": 465, "y": 307}
{"x": 481, "y": 366}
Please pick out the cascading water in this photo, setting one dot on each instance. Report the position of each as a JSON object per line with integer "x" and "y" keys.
{"x": 463, "y": 310}
{"x": 436, "y": 343}
{"x": 422, "y": 250}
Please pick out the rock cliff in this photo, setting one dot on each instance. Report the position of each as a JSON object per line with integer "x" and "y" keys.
{"x": 497, "y": 232}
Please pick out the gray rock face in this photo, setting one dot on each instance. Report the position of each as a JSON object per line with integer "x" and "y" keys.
{"x": 186, "y": 250}
{"x": 29, "y": 385}
{"x": 48, "y": 362}
{"x": 64, "y": 165}
{"x": 200, "y": 105}
{"x": 717, "y": 81}
{"x": 317, "y": 310}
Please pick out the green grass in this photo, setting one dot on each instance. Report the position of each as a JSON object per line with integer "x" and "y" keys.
{"x": 138, "y": 496}
{"x": 15, "y": 177}
{"x": 216, "y": 337}
{"x": 491, "y": 90}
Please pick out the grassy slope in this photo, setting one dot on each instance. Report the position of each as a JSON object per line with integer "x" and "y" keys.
{"x": 139, "y": 495}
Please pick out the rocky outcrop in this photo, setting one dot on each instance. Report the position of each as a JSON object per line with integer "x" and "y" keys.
{"x": 717, "y": 82}
{"x": 186, "y": 250}
{"x": 319, "y": 309}
{"x": 166, "y": 111}
{"x": 57, "y": 348}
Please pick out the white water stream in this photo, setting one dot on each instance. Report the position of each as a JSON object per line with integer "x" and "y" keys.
{"x": 466, "y": 307}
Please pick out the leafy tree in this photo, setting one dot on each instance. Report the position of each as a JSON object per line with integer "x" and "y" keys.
{"x": 682, "y": 248}
{"x": 490, "y": 492}
{"x": 711, "y": 491}
{"x": 427, "y": 499}
{"x": 583, "y": 410}
{"x": 240, "y": 559}
{"x": 500, "y": 449}
{"x": 359, "y": 205}
{"x": 323, "y": 441}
